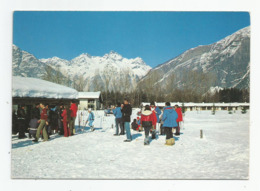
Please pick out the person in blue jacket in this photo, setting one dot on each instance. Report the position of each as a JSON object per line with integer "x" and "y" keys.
{"x": 118, "y": 114}
{"x": 169, "y": 121}
{"x": 90, "y": 119}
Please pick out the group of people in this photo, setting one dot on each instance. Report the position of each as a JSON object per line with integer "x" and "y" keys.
{"x": 152, "y": 121}
{"x": 123, "y": 114}
{"x": 45, "y": 120}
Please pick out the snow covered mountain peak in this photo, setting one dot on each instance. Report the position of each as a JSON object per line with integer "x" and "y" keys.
{"x": 95, "y": 70}
{"x": 85, "y": 55}
{"x": 113, "y": 55}
{"x": 226, "y": 62}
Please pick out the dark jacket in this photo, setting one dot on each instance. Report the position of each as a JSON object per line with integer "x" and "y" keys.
{"x": 134, "y": 125}
{"x": 53, "y": 117}
{"x": 59, "y": 112}
{"x": 35, "y": 113}
{"x": 126, "y": 112}
{"x": 21, "y": 114}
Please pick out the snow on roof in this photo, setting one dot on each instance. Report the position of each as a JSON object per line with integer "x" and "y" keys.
{"x": 37, "y": 88}
{"x": 92, "y": 95}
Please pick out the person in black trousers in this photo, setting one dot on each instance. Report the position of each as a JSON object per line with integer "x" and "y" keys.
{"x": 21, "y": 115}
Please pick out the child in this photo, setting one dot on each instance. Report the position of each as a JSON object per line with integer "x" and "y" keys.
{"x": 91, "y": 119}
{"x": 138, "y": 123}
{"x": 134, "y": 125}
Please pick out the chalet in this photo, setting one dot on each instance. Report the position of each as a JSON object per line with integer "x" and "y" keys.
{"x": 91, "y": 100}
{"x": 29, "y": 91}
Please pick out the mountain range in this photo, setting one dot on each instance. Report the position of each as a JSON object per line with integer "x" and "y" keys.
{"x": 224, "y": 64}
{"x": 111, "y": 71}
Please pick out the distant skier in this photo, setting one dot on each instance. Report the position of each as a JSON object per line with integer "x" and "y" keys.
{"x": 118, "y": 119}
{"x": 127, "y": 112}
{"x": 148, "y": 119}
{"x": 179, "y": 119}
{"x": 169, "y": 121}
{"x": 90, "y": 119}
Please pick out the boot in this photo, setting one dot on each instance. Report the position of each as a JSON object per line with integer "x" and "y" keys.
{"x": 172, "y": 141}
{"x": 153, "y": 134}
{"x": 168, "y": 142}
{"x": 146, "y": 141}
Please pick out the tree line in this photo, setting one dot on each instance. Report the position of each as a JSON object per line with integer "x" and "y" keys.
{"x": 190, "y": 86}
{"x": 136, "y": 97}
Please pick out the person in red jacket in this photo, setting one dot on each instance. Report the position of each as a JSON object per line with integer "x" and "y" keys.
{"x": 65, "y": 122}
{"x": 179, "y": 119}
{"x": 73, "y": 115}
{"x": 42, "y": 121}
{"x": 148, "y": 119}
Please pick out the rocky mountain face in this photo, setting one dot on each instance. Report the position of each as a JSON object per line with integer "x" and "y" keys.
{"x": 110, "y": 72}
{"x": 25, "y": 64}
{"x": 225, "y": 64}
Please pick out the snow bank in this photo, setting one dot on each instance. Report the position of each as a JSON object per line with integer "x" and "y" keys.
{"x": 33, "y": 87}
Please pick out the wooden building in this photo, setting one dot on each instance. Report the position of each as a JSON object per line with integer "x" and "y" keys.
{"x": 29, "y": 91}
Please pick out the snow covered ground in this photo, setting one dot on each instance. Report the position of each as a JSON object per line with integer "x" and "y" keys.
{"x": 223, "y": 153}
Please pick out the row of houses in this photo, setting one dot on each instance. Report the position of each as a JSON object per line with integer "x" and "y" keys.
{"x": 191, "y": 106}
{"x": 29, "y": 91}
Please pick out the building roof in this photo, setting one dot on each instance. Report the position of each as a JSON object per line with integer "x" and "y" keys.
{"x": 192, "y": 104}
{"x": 37, "y": 88}
{"x": 91, "y": 95}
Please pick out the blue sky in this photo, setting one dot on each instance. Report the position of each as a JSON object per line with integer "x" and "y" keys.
{"x": 154, "y": 36}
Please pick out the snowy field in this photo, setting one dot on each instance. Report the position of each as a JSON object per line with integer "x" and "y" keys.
{"x": 223, "y": 153}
